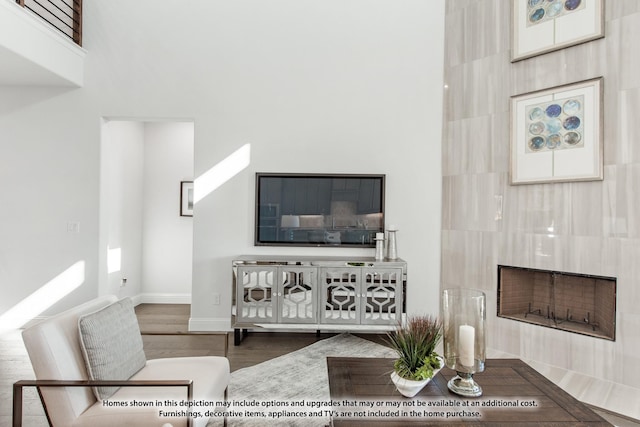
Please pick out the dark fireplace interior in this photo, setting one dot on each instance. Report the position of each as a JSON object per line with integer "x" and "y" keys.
{"x": 572, "y": 302}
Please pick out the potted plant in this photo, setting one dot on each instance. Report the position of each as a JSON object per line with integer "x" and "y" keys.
{"x": 415, "y": 342}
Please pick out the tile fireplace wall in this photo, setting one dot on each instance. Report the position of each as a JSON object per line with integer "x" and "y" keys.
{"x": 588, "y": 228}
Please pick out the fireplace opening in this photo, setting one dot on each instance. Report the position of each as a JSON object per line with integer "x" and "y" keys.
{"x": 578, "y": 303}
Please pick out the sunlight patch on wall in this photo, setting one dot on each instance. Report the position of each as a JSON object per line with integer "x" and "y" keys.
{"x": 46, "y": 296}
{"x": 207, "y": 183}
{"x": 114, "y": 260}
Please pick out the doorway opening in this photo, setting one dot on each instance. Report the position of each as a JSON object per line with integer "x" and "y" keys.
{"x": 143, "y": 165}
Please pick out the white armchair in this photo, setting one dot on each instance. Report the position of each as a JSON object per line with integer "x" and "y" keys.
{"x": 59, "y": 359}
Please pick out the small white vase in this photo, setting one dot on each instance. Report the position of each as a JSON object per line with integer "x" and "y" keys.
{"x": 409, "y": 388}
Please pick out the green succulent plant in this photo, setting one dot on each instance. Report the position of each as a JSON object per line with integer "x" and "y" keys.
{"x": 415, "y": 342}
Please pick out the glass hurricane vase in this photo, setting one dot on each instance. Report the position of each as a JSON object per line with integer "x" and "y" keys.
{"x": 463, "y": 321}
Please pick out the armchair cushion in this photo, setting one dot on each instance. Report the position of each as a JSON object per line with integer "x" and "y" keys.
{"x": 111, "y": 344}
{"x": 210, "y": 374}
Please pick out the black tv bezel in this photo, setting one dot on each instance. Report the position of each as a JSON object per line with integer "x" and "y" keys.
{"x": 381, "y": 177}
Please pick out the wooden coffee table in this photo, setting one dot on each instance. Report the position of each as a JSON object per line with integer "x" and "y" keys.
{"x": 514, "y": 394}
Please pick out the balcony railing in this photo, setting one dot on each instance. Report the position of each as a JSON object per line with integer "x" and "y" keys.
{"x": 64, "y": 15}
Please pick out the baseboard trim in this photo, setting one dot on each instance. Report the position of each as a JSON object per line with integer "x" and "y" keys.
{"x": 209, "y": 324}
{"x": 160, "y": 298}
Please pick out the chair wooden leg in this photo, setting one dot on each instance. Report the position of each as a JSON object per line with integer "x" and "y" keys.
{"x": 17, "y": 405}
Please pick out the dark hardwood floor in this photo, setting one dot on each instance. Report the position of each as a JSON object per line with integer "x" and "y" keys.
{"x": 165, "y": 334}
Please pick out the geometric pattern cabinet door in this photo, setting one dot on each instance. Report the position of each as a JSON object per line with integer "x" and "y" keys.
{"x": 341, "y": 293}
{"x": 382, "y": 298}
{"x": 298, "y": 295}
{"x": 256, "y": 288}
{"x": 340, "y": 298}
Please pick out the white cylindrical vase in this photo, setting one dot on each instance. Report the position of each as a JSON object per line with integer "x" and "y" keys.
{"x": 392, "y": 244}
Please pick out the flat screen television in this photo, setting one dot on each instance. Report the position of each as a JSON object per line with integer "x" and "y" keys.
{"x": 318, "y": 209}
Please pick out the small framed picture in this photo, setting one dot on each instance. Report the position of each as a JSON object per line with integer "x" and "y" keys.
{"x": 186, "y": 198}
{"x": 556, "y": 134}
{"x": 541, "y": 26}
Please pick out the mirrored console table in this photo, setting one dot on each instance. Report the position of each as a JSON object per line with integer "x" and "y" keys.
{"x": 317, "y": 293}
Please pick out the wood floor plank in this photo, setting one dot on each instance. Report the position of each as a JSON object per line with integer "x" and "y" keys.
{"x": 159, "y": 346}
{"x": 167, "y": 318}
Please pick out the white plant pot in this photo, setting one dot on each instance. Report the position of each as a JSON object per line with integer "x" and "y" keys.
{"x": 409, "y": 388}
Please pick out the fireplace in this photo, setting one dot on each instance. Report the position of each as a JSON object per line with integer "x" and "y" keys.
{"x": 578, "y": 303}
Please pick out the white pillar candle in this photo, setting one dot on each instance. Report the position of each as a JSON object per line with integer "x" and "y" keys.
{"x": 466, "y": 345}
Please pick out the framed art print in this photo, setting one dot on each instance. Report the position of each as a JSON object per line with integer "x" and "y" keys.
{"x": 186, "y": 198}
{"x": 541, "y": 26}
{"x": 556, "y": 134}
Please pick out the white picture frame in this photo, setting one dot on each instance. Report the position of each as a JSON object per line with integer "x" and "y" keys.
{"x": 541, "y": 26}
{"x": 557, "y": 134}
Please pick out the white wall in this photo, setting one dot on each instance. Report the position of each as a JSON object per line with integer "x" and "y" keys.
{"x": 48, "y": 177}
{"x": 121, "y": 207}
{"x": 167, "y": 237}
{"x": 325, "y": 87}
{"x": 331, "y": 86}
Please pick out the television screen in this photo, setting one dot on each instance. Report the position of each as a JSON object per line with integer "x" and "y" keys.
{"x": 319, "y": 209}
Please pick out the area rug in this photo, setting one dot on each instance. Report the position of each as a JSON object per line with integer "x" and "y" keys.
{"x": 290, "y": 384}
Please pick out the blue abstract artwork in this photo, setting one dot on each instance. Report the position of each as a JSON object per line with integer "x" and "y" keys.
{"x": 555, "y": 125}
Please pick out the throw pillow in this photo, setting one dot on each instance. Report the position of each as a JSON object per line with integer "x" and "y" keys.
{"x": 111, "y": 344}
